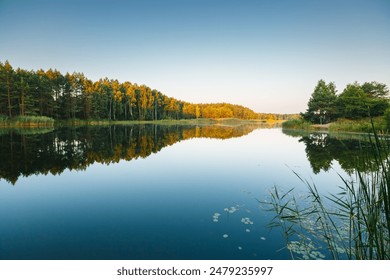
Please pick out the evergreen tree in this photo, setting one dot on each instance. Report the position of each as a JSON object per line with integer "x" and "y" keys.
{"x": 322, "y": 104}
{"x": 357, "y": 101}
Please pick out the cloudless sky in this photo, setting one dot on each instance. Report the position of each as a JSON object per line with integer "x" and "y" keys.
{"x": 263, "y": 54}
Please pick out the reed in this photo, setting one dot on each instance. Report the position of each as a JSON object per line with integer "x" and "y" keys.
{"x": 26, "y": 121}
{"x": 352, "y": 224}
{"x": 297, "y": 124}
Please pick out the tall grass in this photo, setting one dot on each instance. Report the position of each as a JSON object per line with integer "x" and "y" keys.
{"x": 296, "y": 124}
{"x": 353, "y": 224}
{"x": 26, "y": 121}
{"x": 362, "y": 125}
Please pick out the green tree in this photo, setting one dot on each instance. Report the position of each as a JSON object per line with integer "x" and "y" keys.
{"x": 25, "y": 99}
{"x": 57, "y": 85}
{"x": 7, "y": 76}
{"x": 357, "y": 101}
{"x": 378, "y": 100}
{"x": 43, "y": 94}
{"x": 375, "y": 89}
{"x": 87, "y": 98}
{"x": 322, "y": 104}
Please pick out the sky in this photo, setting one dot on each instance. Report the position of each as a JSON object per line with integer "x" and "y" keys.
{"x": 263, "y": 54}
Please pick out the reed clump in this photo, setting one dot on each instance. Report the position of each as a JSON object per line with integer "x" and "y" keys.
{"x": 26, "y": 121}
{"x": 352, "y": 224}
{"x": 300, "y": 124}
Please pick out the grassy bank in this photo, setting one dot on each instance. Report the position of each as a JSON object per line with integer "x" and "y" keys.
{"x": 26, "y": 122}
{"x": 363, "y": 125}
{"x": 341, "y": 125}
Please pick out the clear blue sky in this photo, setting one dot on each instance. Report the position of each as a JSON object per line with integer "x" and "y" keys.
{"x": 263, "y": 54}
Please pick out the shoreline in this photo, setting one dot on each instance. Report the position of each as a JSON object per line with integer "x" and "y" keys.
{"x": 31, "y": 124}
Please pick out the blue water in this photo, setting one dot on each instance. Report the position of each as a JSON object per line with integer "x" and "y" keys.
{"x": 160, "y": 206}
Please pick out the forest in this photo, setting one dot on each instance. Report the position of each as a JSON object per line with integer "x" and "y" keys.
{"x": 73, "y": 96}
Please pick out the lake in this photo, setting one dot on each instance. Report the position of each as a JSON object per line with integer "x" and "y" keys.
{"x": 157, "y": 191}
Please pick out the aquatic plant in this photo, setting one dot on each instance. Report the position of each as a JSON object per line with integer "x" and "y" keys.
{"x": 353, "y": 224}
{"x": 26, "y": 121}
{"x": 296, "y": 124}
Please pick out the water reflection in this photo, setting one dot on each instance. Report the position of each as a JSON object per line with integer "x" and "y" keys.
{"x": 354, "y": 152}
{"x": 27, "y": 152}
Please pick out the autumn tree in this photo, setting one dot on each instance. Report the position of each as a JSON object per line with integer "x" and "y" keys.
{"x": 130, "y": 99}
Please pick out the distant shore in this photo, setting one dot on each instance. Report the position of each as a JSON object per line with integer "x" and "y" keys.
{"x": 38, "y": 122}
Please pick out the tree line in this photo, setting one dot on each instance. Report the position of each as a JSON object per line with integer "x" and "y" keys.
{"x": 355, "y": 102}
{"x": 72, "y": 95}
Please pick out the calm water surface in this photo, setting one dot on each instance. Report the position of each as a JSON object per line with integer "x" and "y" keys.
{"x": 156, "y": 192}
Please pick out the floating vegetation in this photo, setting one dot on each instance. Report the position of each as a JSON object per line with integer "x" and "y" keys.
{"x": 216, "y": 217}
{"x": 232, "y": 209}
{"x": 353, "y": 224}
{"x": 301, "y": 223}
{"x": 246, "y": 221}
{"x": 236, "y": 219}
{"x": 306, "y": 251}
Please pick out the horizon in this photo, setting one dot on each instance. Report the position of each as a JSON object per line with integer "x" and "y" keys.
{"x": 265, "y": 56}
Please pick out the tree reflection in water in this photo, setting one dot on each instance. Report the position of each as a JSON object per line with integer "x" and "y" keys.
{"x": 23, "y": 153}
{"x": 353, "y": 152}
